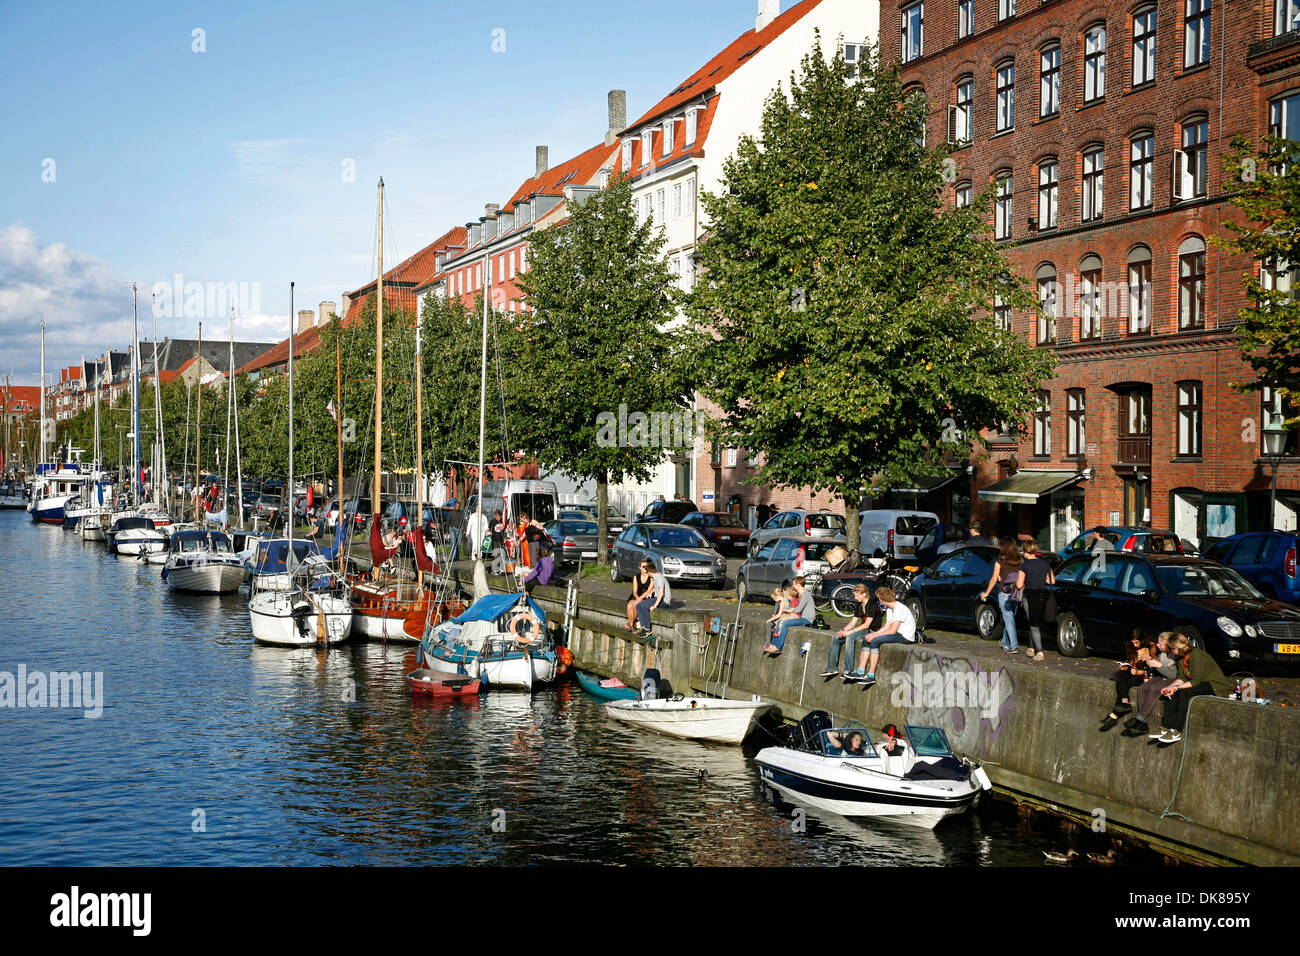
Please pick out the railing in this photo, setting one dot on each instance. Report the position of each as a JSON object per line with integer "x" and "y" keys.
{"x": 1134, "y": 450}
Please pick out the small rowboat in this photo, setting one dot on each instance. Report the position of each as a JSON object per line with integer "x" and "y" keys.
{"x": 695, "y": 718}
{"x": 596, "y": 687}
{"x": 442, "y": 683}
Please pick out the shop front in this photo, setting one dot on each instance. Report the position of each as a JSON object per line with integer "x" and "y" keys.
{"x": 1047, "y": 505}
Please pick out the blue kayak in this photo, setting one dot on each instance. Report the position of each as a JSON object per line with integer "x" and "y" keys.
{"x": 591, "y": 684}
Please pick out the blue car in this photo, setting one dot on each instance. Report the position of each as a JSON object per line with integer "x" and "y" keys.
{"x": 1267, "y": 559}
{"x": 1141, "y": 540}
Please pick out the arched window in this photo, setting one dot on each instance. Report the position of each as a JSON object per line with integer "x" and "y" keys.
{"x": 1048, "y": 191}
{"x": 1090, "y": 298}
{"x": 1006, "y": 91}
{"x": 1139, "y": 291}
{"x": 960, "y": 123}
{"x": 1047, "y": 304}
{"x": 1141, "y": 169}
{"x": 1094, "y": 63}
{"x": 1190, "y": 180}
{"x": 1002, "y": 204}
{"x": 963, "y": 195}
{"x": 1094, "y": 174}
{"x": 1049, "y": 80}
{"x": 1191, "y": 283}
{"x": 1144, "y": 45}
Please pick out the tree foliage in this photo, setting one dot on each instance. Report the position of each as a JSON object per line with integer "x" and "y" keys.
{"x": 843, "y": 318}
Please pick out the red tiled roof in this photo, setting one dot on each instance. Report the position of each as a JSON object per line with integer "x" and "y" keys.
{"x": 726, "y": 63}
{"x": 416, "y": 270}
{"x": 704, "y": 122}
{"x": 579, "y": 170}
{"x": 25, "y": 398}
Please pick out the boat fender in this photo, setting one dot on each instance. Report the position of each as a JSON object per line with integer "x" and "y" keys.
{"x": 982, "y": 778}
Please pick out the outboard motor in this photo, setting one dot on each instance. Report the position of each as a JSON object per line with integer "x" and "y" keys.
{"x": 810, "y": 729}
{"x": 654, "y": 686}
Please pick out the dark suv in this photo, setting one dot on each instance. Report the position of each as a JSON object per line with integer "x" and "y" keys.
{"x": 667, "y": 512}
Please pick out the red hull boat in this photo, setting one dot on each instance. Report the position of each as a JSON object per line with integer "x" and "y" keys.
{"x": 442, "y": 683}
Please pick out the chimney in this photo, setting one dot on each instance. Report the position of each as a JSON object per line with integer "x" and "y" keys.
{"x": 543, "y": 159}
{"x": 327, "y": 312}
{"x": 768, "y": 10}
{"x": 617, "y": 115}
{"x": 491, "y": 209}
{"x": 306, "y": 319}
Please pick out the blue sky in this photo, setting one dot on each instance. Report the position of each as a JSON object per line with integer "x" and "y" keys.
{"x": 227, "y": 165}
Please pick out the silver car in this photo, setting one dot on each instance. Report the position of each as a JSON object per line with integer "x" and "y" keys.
{"x": 575, "y": 541}
{"x": 681, "y": 553}
{"x": 778, "y": 562}
{"x": 798, "y": 523}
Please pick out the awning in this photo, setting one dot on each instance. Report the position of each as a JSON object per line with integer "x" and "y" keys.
{"x": 1027, "y": 486}
{"x": 923, "y": 486}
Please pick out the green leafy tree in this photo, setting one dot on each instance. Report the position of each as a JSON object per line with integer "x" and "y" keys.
{"x": 843, "y": 323}
{"x": 597, "y": 341}
{"x": 1269, "y": 332}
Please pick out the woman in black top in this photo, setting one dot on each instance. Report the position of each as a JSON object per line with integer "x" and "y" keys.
{"x": 1038, "y": 578}
{"x": 642, "y": 585}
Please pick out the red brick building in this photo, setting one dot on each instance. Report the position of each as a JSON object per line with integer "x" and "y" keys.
{"x": 1102, "y": 129}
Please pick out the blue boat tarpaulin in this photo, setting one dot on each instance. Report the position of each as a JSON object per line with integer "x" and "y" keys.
{"x": 494, "y": 606}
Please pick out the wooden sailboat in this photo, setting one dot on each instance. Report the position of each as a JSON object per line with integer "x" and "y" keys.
{"x": 385, "y": 606}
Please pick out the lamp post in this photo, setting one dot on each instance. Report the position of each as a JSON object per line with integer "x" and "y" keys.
{"x": 1274, "y": 442}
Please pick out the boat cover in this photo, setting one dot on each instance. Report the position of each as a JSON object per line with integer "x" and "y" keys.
{"x": 495, "y": 606}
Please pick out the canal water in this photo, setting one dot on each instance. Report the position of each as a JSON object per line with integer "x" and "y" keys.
{"x": 213, "y": 750}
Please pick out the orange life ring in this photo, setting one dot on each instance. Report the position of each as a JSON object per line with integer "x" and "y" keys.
{"x": 522, "y": 639}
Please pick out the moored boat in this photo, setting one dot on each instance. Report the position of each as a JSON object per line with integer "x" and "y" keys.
{"x": 501, "y": 638}
{"x": 839, "y": 770}
{"x": 610, "y": 689}
{"x": 134, "y": 535}
{"x": 442, "y": 683}
{"x": 710, "y": 719}
{"x": 202, "y": 562}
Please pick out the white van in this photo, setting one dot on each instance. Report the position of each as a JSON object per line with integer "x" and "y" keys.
{"x": 893, "y": 533}
{"x": 537, "y": 499}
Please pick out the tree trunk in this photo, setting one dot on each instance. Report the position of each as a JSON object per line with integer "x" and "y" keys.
{"x": 602, "y": 521}
{"x": 852, "y": 526}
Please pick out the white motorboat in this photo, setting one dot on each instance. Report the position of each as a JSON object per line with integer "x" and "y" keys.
{"x": 710, "y": 719}
{"x": 135, "y": 535}
{"x": 202, "y": 562}
{"x": 839, "y": 770}
{"x": 50, "y": 491}
{"x": 316, "y": 611}
{"x": 91, "y": 527}
{"x": 485, "y": 642}
{"x": 13, "y": 494}
{"x": 269, "y": 568}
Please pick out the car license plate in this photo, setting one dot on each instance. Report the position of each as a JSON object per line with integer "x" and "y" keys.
{"x": 906, "y": 550}
{"x": 1286, "y": 648}
{"x": 589, "y": 554}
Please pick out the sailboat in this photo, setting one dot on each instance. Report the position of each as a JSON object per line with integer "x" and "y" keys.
{"x": 386, "y": 607}
{"x": 54, "y": 483}
{"x": 315, "y": 610}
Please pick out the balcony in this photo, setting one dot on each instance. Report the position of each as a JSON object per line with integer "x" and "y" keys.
{"x": 1134, "y": 450}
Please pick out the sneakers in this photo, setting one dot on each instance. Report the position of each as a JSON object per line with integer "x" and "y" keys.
{"x": 1169, "y": 737}
{"x": 1123, "y": 708}
{"x": 829, "y": 674}
{"x": 1108, "y": 723}
{"x": 1156, "y": 734}
{"x": 855, "y": 675}
{"x": 868, "y": 680}
{"x": 1040, "y": 656}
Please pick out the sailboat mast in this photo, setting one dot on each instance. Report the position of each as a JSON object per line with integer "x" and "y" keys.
{"x": 198, "y": 419}
{"x": 239, "y": 463}
{"x": 135, "y": 392}
{"x": 230, "y": 407}
{"x": 42, "y": 458}
{"x": 482, "y": 400}
{"x": 160, "y": 475}
{"x": 419, "y": 453}
{"x": 289, "y": 491}
{"x": 379, "y": 364}
{"x": 338, "y": 426}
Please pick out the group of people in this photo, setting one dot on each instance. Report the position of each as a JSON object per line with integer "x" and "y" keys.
{"x": 1169, "y": 670}
{"x": 794, "y": 608}
{"x": 1022, "y": 577}
{"x": 865, "y": 638}
{"x": 650, "y": 590}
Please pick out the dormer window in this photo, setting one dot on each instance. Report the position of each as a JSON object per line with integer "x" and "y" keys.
{"x": 693, "y": 122}
{"x": 602, "y": 180}
{"x": 668, "y": 138}
{"x": 627, "y": 154}
{"x": 647, "y": 143}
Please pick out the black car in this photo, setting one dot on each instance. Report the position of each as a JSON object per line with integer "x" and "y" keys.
{"x": 1103, "y": 596}
{"x": 949, "y": 590}
{"x": 666, "y": 512}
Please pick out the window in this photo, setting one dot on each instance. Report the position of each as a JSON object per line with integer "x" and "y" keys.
{"x": 853, "y": 53}
{"x": 692, "y": 125}
{"x": 1048, "y": 191}
{"x": 1135, "y": 413}
{"x": 1277, "y": 408}
{"x": 1141, "y": 169}
{"x": 1075, "y": 438}
{"x": 1047, "y": 289}
{"x": 1285, "y": 18}
{"x": 677, "y": 200}
{"x": 523, "y": 259}
{"x": 1191, "y": 284}
{"x": 1090, "y": 298}
{"x": 966, "y": 18}
{"x": 1189, "y": 419}
{"x": 1006, "y": 86}
{"x": 668, "y": 138}
{"x": 627, "y": 154}
{"x": 1001, "y": 314}
{"x": 962, "y": 195}
{"x": 913, "y": 35}
{"x": 1006, "y": 9}
{"x": 1094, "y": 63}
{"x": 1284, "y": 120}
{"x": 961, "y": 111}
{"x": 1002, "y": 206}
{"x": 1049, "y": 81}
{"x": 1278, "y": 277}
{"x": 1139, "y": 291}
{"x": 1191, "y": 167}
{"x": 1043, "y": 425}
{"x": 1094, "y": 171}
{"x": 1196, "y": 33}
{"x": 688, "y": 202}
{"x": 1144, "y": 46}
{"x": 915, "y": 96}
{"x": 661, "y": 202}
{"x": 647, "y": 141}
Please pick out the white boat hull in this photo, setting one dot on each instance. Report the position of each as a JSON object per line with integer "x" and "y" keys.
{"x": 136, "y": 541}
{"x": 205, "y": 578}
{"x": 693, "y": 718}
{"x": 298, "y": 619}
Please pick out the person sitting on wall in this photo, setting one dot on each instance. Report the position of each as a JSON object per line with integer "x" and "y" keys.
{"x": 1198, "y": 675}
{"x": 1132, "y": 673}
{"x": 899, "y": 628}
{"x": 865, "y": 613}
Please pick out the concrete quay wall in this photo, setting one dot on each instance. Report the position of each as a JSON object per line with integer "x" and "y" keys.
{"x": 1229, "y": 793}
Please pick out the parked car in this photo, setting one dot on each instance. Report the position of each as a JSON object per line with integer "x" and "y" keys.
{"x": 576, "y": 541}
{"x": 681, "y": 553}
{"x": 1141, "y": 540}
{"x": 893, "y": 533}
{"x": 265, "y": 507}
{"x": 614, "y": 518}
{"x": 722, "y": 529}
{"x": 948, "y": 592}
{"x": 1267, "y": 559}
{"x": 1102, "y": 597}
{"x": 798, "y": 523}
{"x": 780, "y": 561}
{"x": 666, "y": 512}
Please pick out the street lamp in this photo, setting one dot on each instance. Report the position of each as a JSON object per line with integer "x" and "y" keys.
{"x": 1274, "y": 442}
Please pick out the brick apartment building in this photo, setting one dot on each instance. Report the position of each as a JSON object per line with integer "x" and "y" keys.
{"x": 1103, "y": 129}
